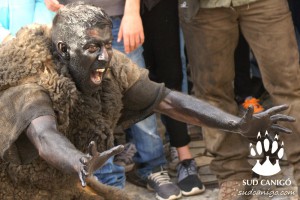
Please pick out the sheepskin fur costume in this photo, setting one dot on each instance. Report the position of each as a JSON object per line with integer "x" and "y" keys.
{"x": 31, "y": 72}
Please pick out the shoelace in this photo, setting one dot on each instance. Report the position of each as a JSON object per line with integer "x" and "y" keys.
{"x": 187, "y": 168}
{"x": 160, "y": 177}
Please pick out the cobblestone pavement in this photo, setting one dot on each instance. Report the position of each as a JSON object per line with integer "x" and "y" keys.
{"x": 197, "y": 149}
{"x": 144, "y": 194}
{"x": 203, "y": 160}
{"x": 211, "y": 192}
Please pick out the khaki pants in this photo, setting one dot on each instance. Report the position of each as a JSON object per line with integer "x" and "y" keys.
{"x": 211, "y": 37}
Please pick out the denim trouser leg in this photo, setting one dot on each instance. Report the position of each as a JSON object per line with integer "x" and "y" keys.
{"x": 184, "y": 87}
{"x": 143, "y": 134}
{"x": 148, "y": 144}
{"x": 111, "y": 174}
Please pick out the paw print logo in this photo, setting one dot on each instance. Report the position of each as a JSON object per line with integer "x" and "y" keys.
{"x": 271, "y": 151}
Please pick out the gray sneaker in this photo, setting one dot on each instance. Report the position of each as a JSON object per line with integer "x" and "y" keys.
{"x": 188, "y": 180}
{"x": 159, "y": 181}
{"x": 125, "y": 157}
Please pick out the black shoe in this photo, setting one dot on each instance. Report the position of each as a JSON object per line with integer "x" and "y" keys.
{"x": 188, "y": 180}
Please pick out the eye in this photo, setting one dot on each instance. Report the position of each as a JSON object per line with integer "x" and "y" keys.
{"x": 108, "y": 45}
{"x": 93, "y": 48}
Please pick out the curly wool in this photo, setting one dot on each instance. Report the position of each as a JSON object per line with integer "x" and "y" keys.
{"x": 28, "y": 59}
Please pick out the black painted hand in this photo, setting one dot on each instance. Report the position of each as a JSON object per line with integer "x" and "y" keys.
{"x": 94, "y": 160}
{"x": 251, "y": 123}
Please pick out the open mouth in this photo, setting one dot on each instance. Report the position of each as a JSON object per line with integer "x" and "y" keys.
{"x": 97, "y": 76}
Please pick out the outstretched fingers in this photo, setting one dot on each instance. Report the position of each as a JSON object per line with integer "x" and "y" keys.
{"x": 99, "y": 159}
{"x": 113, "y": 151}
{"x": 83, "y": 171}
{"x": 281, "y": 117}
{"x": 249, "y": 113}
{"x": 82, "y": 178}
{"x": 94, "y": 160}
{"x": 277, "y": 128}
{"x": 277, "y": 109}
{"x": 93, "y": 149}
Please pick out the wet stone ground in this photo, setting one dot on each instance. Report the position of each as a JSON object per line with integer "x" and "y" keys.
{"x": 203, "y": 160}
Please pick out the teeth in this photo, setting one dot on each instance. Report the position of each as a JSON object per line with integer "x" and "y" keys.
{"x": 100, "y": 70}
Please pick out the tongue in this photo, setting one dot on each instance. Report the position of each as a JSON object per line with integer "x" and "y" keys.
{"x": 96, "y": 77}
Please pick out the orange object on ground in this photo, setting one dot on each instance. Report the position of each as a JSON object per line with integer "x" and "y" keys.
{"x": 255, "y": 103}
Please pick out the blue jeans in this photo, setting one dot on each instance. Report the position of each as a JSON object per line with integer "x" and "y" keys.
{"x": 184, "y": 86}
{"x": 111, "y": 174}
{"x": 144, "y": 134}
{"x": 149, "y": 145}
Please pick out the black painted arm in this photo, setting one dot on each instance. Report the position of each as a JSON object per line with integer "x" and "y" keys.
{"x": 52, "y": 146}
{"x": 59, "y": 152}
{"x": 197, "y": 112}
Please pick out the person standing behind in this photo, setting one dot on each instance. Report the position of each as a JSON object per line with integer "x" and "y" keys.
{"x": 211, "y": 30}
{"x": 247, "y": 89}
{"x": 162, "y": 57}
{"x": 14, "y": 14}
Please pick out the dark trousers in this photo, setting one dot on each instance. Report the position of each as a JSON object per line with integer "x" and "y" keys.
{"x": 211, "y": 38}
{"x": 295, "y": 10}
{"x": 242, "y": 80}
{"x": 162, "y": 58}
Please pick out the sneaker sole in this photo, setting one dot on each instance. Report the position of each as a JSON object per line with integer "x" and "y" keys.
{"x": 194, "y": 191}
{"x": 172, "y": 197}
{"x": 149, "y": 188}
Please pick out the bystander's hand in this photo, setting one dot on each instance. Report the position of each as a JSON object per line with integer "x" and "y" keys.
{"x": 53, "y": 5}
{"x": 131, "y": 29}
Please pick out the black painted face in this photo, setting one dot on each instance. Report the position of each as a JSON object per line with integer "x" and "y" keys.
{"x": 90, "y": 55}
